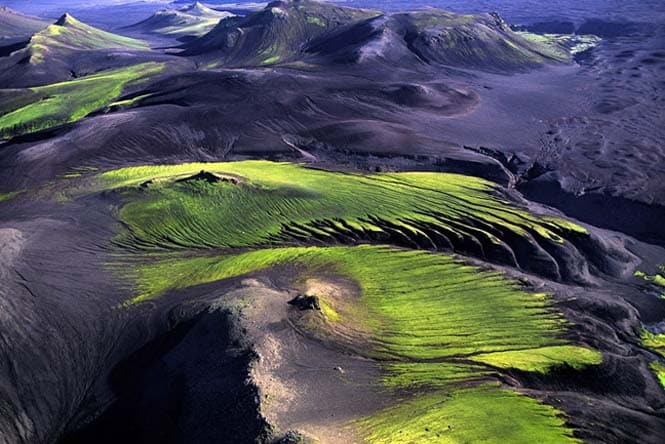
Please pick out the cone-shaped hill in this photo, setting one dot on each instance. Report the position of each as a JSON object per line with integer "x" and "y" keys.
{"x": 286, "y": 31}
{"x": 70, "y": 34}
{"x": 67, "y": 49}
{"x": 194, "y": 20}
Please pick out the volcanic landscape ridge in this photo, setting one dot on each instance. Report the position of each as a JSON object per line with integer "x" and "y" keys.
{"x": 311, "y": 223}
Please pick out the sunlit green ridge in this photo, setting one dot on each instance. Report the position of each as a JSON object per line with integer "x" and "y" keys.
{"x": 282, "y": 203}
{"x": 47, "y": 106}
{"x": 71, "y": 34}
{"x": 432, "y": 321}
{"x": 441, "y": 330}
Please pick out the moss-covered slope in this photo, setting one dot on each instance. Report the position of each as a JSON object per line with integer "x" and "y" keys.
{"x": 278, "y": 203}
{"x": 69, "y": 34}
{"x": 35, "y": 109}
{"x": 431, "y": 321}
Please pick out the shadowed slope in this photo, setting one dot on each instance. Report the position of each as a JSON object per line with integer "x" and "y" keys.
{"x": 275, "y": 34}
{"x": 68, "y": 48}
{"x": 434, "y": 36}
{"x": 287, "y": 31}
{"x": 14, "y": 25}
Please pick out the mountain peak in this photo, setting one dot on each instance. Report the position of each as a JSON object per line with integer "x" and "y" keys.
{"x": 198, "y": 8}
{"x": 66, "y": 19}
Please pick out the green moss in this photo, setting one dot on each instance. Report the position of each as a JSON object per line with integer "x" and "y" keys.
{"x": 432, "y": 322}
{"x": 328, "y": 311}
{"x": 316, "y": 21}
{"x": 271, "y": 60}
{"x": 126, "y": 103}
{"x": 657, "y": 278}
{"x": 481, "y": 415}
{"x": 284, "y": 203}
{"x": 67, "y": 102}
{"x": 75, "y": 35}
{"x": 542, "y": 359}
{"x": 8, "y": 196}
{"x": 659, "y": 370}
{"x": 419, "y": 306}
{"x": 654, "y": 341}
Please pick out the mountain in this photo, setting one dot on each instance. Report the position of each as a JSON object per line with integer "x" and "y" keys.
{"x": 70, "y": 34}
{"x": 14, "y": 25}
{"x": 275, "y": 34}
{"x": 318, "y": 33}
{"x": 66, "y": 49}
{"x": 193, "y": 20}
{"x": 484, "y": 42}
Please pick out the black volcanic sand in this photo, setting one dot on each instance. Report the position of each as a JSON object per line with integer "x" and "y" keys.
{"x": 215, "y": 363}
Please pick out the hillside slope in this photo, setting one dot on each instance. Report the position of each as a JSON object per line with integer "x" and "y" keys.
{"x": 190, "y": 21}
{"x": 275, "y": 34}
{"x": 438, "y": 37}
{"x": 14, "y": 25}
{"x": 69, "y": 49}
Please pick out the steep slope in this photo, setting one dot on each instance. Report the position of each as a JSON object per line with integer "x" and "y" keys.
{"x": 275, "y": 34}
{"x": 69, "y": 34}
{"x": 191, "y": 21}
{"x": 69, "y": 49}
{"x": 14, "y": 25}
{"x": 297, "y": 30}
{"x": 434, "y": 36}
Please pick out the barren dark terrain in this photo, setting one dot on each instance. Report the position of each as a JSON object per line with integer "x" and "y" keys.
{"x": 304, "y": 222}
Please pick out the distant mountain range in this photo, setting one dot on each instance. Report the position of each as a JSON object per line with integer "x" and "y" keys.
{"x": 316, "y": 32}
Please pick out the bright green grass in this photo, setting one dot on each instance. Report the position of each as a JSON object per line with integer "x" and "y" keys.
{"x": 658, "y": 279}
{"x": 484, "y": 414}
{"x": 427, "y": 316}
{"x": 421, "y": 306}
{"x": 654, "y": 341}
{"x": 540, "y": 360}
{"x": 431, "y": 321}
{"x": 282, "y": 202}
{"x": 316, "y": 21}
{"x": 70, "y": 101}
{"x": 659, "y": 370}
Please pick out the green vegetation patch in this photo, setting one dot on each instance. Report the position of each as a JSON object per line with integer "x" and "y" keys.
{"x": 654, "y": 341}
{"x": 70, "y": 33}
{"x": 484, "y": 414}
{"x": 420, "y": 307}
{"x": 8, "y": 196}
{"x": 433, "y": 323}
{"x": 282, "y": 203}
{"x": 67, "y": 102}
{"x": 659, "y": 369}
{"x": 657, "y": 278}
{"x": 428, "y": 316}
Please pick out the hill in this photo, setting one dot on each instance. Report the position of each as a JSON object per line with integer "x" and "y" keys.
{"x": 194, "y": 20}
{"x": 297, "y": 30}
{"x": 68, "y": 49}
{"x": 275, "y": 34}
{"x": 72, "y": 35}
{"x": 439, "y": 37}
